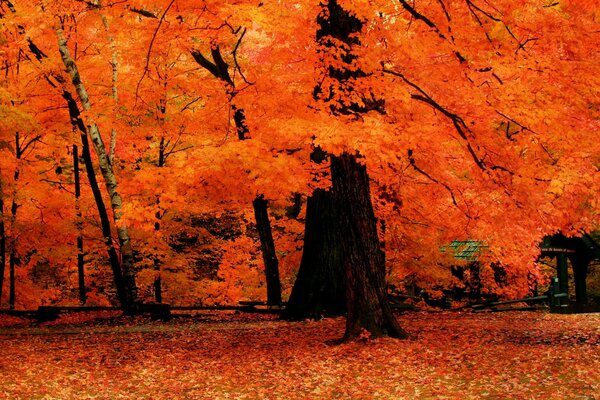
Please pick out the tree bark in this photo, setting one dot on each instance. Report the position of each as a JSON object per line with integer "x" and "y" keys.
{"x": 12, "y": 255}
{"x": 113, "y": 256}
{"x": 368, "y": 309}
{"x": 131, "y": 297}
{"x": 319, "y": 289}
{"x": 158, "y": 217}
{"x": 580, "y": 269}
{"x": 364, "y": 261}
{"x": 220, "y": 70}
{"x": 2, "y": 241}
{"x": 268, "y": 250}
{"x": 80, "y": 253}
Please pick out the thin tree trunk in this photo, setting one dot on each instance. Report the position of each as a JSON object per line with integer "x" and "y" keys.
{"x": 2, "y": 241}
{"x": 11, "y": 277}
{"x": 13, "y": 218}
{"x": 12, "y": 261}
{"x": 268, "y": 250}
{"x": 131, "y": 297}
{"x": 80, "y": 253}
{"x": 157, "y": 221}
{"x": 21, "y": 146}
{"x": 113, "y": 256}
{"x": 364, "y": 261}
{"x": 319, "y": 289}
{"x": 12, "y": 257}
{"x": 220, "y": 70}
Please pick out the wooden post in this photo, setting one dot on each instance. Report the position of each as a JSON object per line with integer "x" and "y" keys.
{"x": 580, "y": 269}
{"x": 563, "y": 277}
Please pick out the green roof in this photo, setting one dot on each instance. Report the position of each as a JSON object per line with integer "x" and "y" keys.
{"x": 466, "y": 250}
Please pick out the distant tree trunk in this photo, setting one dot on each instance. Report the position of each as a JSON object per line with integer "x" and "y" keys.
{"x": 158, "y": 218}
{"x": 22, "y": 144}
{"x": 113, "y": 256}
{"x": 220, "y": 70}
{"x": 157, "y": 276}
{"x": 580, "y": 269}
{"x": 130, "y": 297}
{"x": 11, "y": 276}
{"x": 364, "y": 261}
{"x": 12, "y": 255}
{"x": 268, "y": 250}
{"x": 319, "y": 289}
{"x": 80, "y": 253}
{"x": 2, "y": 241}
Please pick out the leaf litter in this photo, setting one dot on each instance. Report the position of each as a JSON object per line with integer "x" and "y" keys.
{"x": 450, "y": 355}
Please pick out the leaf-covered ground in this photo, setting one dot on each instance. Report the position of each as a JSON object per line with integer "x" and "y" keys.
{"x": 527, "y": 355}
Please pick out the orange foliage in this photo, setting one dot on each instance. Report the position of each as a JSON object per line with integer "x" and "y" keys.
{"x": 489, "y": 133}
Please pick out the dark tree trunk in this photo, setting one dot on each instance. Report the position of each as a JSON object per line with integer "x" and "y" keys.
{"x": 363, "y": 258}
{"x": 267, "y": 245}
{"x": 157, "y": 284}
{"x": 2, "y": 241}
{"x": 580, "y": 270}
{"x": 562, "y": 270}
{"x": 80, "y": 254}
{"x": 12, "y": 258}
{"x": 319, "y": 289}
{"x": 113, "y": 257}
{"x": 11, "y": 278}
{"x": 364, "y": 261}
{"x": 220, "y": 70}
{"x": 162, "y": 159}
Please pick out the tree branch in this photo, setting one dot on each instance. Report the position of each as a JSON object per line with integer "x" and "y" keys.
{"x": 459, "y": 124}
{"x": 146, "y": 69}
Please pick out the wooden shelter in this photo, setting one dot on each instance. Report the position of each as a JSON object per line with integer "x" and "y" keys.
{"x": 580, "y": 251}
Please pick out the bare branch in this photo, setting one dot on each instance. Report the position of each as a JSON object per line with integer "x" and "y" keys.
{"x": 146, "y": 69}
{"x": 411, "y": 160}
{"x": 205, "y": 63}
{"x": 234, "y": 53}
{"x": 143, "y": 13}
{"x": 416, "y": 15}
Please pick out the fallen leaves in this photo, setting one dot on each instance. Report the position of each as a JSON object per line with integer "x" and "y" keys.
{"x": 218, "y": 356}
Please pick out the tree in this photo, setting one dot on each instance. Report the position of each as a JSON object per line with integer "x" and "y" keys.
{"x": 2, "y": 240}
{"x": 128, "y": 292}
{"x": 363, "y": 259}
{"x": 466, "y": 115}
{"x": 22, "y": 145}
{"x": 320, "y": 286}
{"x": 220, "y": 70}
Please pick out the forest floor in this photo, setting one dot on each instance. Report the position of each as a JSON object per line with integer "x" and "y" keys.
{"x": 450, "y": 355}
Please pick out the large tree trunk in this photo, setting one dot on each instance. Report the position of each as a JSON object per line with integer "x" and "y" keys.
{"x": 268, "y": 250}
{"x": 319, "y": 289}
{"x": 364, "y": 260}
{"x": 131, "y": 298}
